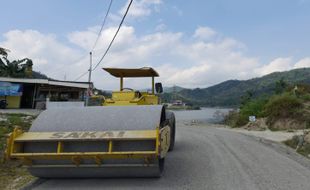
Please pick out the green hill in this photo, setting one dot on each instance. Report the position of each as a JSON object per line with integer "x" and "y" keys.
{"x": 230, "y": 93}
{"x": 174, "y": 88}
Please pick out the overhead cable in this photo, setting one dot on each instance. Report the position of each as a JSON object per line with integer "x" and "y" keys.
{"x": 118, "y": 29}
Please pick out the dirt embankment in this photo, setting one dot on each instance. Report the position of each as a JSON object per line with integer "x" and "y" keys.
{"x": 292, "y": 132}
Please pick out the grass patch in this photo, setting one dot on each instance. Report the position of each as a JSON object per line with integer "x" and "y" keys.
{"x": 9, "y": 121}
{"x": 231, "y": 118}
{"x": 305, "y": 97}
{"x": 291, "y": 130}
{"x": 304, "y": 149}
{"x": 12, "y": 175}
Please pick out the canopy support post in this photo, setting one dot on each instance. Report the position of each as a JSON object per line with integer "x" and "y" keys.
{"x": 153, "y": 85}
{"x": 121, "y": 86}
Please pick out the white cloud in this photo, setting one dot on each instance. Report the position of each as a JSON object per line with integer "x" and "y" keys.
{"x": 278, "y": 64}
{"x": 48, "y": 54}
{"x": 141, "y": 8}
{"x": 85, "y": 39}
{"x": 282, "y": 64}
{"x": 303, "y": 63}
{"x": 190, "y": 76}
{"x": 204, "y": 33}
{"x": 189, "y": 63}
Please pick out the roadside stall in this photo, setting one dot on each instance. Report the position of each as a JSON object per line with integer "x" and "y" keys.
{"x": 10, "y": 95}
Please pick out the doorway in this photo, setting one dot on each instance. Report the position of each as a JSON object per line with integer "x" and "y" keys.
{"x": 28, "y": 95}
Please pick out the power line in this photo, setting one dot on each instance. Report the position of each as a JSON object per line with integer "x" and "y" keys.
{"x": 81, "y": 76}
{"x": 98, "y": 36}
{"x": 119, "y": 27}
{"x": 63, "y": 66}
{"x": 102, "y": 25}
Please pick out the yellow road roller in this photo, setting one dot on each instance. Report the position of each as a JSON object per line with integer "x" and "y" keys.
{"x": 128, "y": 136}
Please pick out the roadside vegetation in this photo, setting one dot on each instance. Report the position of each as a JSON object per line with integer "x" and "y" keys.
{"x": 300, "y": 143}
{"x": 17, "y": 68}
{"x": 288, "y": 108}
{"x": 12, "y": 175}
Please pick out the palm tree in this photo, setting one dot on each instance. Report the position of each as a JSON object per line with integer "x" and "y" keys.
{"x": 17, "y": 68}
{"x": 4, "y": 52}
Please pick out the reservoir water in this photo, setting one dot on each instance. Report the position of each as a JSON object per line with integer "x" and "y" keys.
{"x": 204, "y": 115}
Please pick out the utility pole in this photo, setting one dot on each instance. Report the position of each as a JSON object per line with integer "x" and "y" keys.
{"x": 89, "y": 77}
{"x": 90, "y": 67}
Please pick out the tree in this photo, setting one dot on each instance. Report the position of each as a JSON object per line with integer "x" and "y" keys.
{"x": 17, "y": 68}
{"x": 281, "y": 85}
{"x": 4, "y": 52}
{"x": 246, "y": 97}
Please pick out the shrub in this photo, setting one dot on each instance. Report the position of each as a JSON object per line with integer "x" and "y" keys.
{"x": 253, "y": 107}
{"x": 282, "y": 106}
{"x": 231, "y": 118}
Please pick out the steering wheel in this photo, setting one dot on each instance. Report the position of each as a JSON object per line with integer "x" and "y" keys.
{"x": 129, "y": 89}
{"x": 138, "y": 93}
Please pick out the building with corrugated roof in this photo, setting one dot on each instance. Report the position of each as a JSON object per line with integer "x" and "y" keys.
{"x": 33, "y": 93}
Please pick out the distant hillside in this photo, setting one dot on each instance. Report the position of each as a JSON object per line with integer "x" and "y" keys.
{"x": 38, "y": 75}
{"x": 174, "y": 88}
{"x": 229, "y": 93}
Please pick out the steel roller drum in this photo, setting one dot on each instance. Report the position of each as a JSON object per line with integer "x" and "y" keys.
{"x": 102, "y": 118}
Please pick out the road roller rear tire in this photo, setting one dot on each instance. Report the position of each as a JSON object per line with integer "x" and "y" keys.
{"x": 171, "y": 122}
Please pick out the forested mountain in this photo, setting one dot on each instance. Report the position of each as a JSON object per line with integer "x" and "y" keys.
{"x": 231, "y": 92}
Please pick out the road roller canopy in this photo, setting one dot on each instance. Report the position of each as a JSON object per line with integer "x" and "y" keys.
{"x": 130, "y": 73}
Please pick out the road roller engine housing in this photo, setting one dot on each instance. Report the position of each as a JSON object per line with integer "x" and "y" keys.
{"x": 129, "y": 136}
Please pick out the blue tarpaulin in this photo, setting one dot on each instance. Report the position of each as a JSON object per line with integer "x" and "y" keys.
{"x": 10, "y": 89}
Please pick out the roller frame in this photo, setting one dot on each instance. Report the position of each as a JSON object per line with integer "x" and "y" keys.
{"x": 18, "y": 137}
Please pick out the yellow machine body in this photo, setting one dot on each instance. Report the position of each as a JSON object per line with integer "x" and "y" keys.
{"x": 16, "y": 140}
{"x": 132, "y": 97}
{"x": 158, "y": 135}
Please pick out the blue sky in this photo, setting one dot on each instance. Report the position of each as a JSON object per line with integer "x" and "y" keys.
{"x": 192, "y": 43}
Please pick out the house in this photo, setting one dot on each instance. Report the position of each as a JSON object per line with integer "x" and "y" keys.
{"x": 33, "y": 93}
{"x": 178, "y": 103}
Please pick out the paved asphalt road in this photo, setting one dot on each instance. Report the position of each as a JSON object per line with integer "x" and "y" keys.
{"x": 211, "y": 158}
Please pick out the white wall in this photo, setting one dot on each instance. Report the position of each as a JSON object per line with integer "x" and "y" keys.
{"x": 50, "y": 105}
